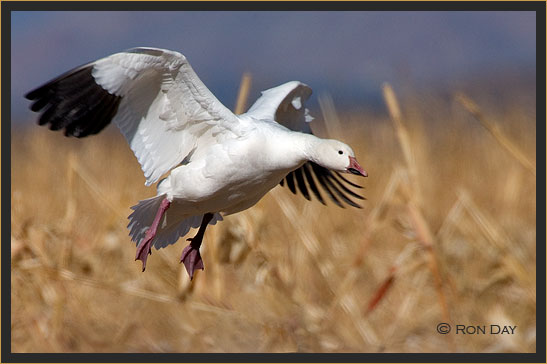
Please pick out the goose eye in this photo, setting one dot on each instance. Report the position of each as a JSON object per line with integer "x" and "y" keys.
{"x": 340, "y": 152}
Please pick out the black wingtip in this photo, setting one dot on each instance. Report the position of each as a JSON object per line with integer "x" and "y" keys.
{"x": 331, "y": 182}
{"x": 347, "y": 181}
{"x": 35, "y": 94}
{"x": 74, "y": 103}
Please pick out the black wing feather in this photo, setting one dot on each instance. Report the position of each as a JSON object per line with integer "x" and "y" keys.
{"x": 74, "y": 102}
{"x": 340, "y": 194}
{"x": 306, "y": 168}
{"x": 301, "y": 184}
{"x": 320, "y": 173}
{"x": 346, "y": 181}
{"x": 332, "y": 177}
{"x": 334, "y": 187}
{"x": 290, "y": 182}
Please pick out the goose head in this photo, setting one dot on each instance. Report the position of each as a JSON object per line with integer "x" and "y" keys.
{"x": 337, "y": 156}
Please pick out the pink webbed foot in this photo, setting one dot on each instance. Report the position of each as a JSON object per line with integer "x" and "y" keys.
{"x": 191, "y": 259}
{"x": 190, "y": 255}
{"x": 145, "y": 247}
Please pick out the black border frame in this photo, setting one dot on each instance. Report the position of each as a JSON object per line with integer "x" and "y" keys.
{"x": 7, "y": 356}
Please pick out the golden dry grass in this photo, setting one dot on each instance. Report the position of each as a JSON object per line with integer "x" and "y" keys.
{"x": 447, "y": 234}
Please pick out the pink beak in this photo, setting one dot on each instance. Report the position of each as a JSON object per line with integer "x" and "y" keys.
{"x": 355, "y": 168}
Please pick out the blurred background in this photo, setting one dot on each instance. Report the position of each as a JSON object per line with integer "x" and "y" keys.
{"x": 347, "y": 54}
{"x": 440, "y": 109}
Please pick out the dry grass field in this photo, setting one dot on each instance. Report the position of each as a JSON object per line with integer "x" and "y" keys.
{"x": 447, "y": 234}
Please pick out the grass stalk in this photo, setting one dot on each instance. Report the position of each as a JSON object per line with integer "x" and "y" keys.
{"x": 469, "y": 105}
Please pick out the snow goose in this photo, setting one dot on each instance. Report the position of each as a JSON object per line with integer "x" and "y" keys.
{"x": 216, "y": 162}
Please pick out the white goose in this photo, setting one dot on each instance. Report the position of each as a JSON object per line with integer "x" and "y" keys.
{"x": 217, "y": 162}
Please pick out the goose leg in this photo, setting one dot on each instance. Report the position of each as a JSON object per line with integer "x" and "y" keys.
{"x": 190, "y": 255}
{"x": 145, "y": 247}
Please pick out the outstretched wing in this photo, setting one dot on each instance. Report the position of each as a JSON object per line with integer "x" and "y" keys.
{"x": 286, "y": 105}
{"x": 154, "y": 97}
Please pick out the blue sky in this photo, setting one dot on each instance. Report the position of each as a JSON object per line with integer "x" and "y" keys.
{"x": 347, "y": 54}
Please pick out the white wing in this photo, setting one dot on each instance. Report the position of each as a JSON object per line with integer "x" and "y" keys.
{"x": 154, "y": 97}
{"x": 286, "y": 105}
